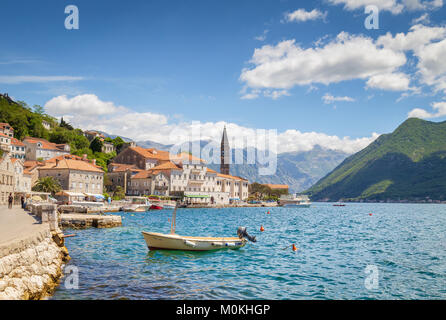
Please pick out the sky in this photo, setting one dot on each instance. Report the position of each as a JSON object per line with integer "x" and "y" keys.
{"x": 310, "y": 70}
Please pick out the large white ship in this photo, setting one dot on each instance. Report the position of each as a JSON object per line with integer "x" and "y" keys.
{"x": 294, "y": 200}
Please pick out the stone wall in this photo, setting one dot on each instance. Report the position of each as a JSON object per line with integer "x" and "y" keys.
{"x": 30, "y": 268}
{"x": 31, "y": 265}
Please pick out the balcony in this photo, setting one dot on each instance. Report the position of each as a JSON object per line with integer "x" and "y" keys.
{"x": 161, "y": 187}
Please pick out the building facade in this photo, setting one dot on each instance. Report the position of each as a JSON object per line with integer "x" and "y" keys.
{"x": 5, "y": 142}
{"x": 6, "y": 129}
{"x": 22, "y": 178}
{"x": 6, "y": 178}
{"x": 74, "y": 174}
{"x": 41, "y": 149}
{"x": 18, "y": 149}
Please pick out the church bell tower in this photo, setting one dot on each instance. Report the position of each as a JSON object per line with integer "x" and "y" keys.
{"x": 224, "y": 153}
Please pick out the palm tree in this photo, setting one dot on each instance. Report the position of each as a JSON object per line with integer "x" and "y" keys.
{"x": 47, "y": 184}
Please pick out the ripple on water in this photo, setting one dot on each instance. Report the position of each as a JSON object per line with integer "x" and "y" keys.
{"x": 405, "y": 241}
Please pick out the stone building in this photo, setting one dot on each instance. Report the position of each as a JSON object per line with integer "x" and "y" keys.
{"x": 119, "y": 175}
{"x": 74, "y": 174}
{"x": 144, "y": 159}
{"x": 5, "y": 142}
{"x": 6, "y": 178}
{"x": 149, "y": 182}
{"x": 22, "y": 178}
{"x": 18, "y": 149}
{"x": 6, "y": 129}
{"x": 36, "y": 148}
{"x": 107, "y": 147}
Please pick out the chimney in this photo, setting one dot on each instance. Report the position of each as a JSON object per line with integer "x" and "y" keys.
{"x": 84, "y": 157}
{"x": 94, "y": 162}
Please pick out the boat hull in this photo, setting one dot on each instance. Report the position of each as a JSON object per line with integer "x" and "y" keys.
{"x": 159, "y": 241}
{"x": 296, "y": 205}
{"x": 141, "y": 208}
{"x": 156, "y": 207}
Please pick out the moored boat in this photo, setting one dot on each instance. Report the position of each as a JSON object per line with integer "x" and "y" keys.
{"x": 295, "y": 201}
{"x": 137, "y": 204}
{"x": 156, "y": 241}
{"x": 173, "y": 241}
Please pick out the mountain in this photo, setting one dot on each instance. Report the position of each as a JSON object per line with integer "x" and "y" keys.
{"x": 299, "y": 170}
{"x": 406, "y": 165}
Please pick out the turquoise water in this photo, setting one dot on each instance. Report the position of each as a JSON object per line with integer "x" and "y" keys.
{"x": 406, "y": 242}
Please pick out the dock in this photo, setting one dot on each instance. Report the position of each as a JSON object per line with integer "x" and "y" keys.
{"x": 83, "y": 221}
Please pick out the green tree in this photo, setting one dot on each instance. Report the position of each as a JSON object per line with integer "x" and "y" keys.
{"x": 119, "y": 193}
{"x": 118, "y": 143}
{"x": 65, "y": 124}
{"x": 38, "y": 109}
{"x": 96, "y": 145}
{"x": 47, "y": 184}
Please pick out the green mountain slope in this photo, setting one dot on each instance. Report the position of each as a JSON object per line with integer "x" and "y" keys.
{"x": 408, "y": 164}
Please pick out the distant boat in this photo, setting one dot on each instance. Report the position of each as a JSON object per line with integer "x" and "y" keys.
{"x": 338, "y": 205}
{"x": 174, "y": 241}
{"x": 137, "y": 204}
{"x": 295, "y": 201}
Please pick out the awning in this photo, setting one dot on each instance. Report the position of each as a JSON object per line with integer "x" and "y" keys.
{"x": 99, "y": 196}
{"x": 196, "y": 196}
{"x": 234, "y": 198}
{"x": 70, "y": 194}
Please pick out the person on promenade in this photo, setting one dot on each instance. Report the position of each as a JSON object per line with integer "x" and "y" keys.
{"x": 10, "y": 199}
{"x": 22, "y": 200}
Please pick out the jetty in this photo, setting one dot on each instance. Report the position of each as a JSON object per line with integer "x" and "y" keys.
{"x": 82, "y": 221}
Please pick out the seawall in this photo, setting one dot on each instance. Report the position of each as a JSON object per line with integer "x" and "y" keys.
{"x": 32, "y": 253}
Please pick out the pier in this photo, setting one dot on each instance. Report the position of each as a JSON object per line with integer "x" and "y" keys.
{"x": 82, "y": 221}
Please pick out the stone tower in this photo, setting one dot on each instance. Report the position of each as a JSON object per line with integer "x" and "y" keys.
{"x": 224, "y": 153}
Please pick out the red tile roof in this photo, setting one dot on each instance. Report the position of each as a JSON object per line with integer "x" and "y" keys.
{"x": 17, "y": 142}
{"x": 45, "y": 143}
{"x": 71, "y": 164}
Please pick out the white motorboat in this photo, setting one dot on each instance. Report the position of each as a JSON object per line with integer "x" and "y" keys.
{"x": 295, "y": 201}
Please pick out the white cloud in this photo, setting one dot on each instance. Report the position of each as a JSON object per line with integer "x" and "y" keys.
{"x": 439, "y": 107}
{"x": 302, "y": 15}
{"x": 432, "y": 65}
{"x": 24, "y": 79}
{"x": 415, "y": 39}
{"x": 388, "y": 5}
{"x": 85, "y": 105}
{"x": 429, "y": 47}
{"x": 393, "y": 6}
{"x": 89, "y": 112}
{"x": 424, "y": 18}
{"x": 294, "y": 140}
{"x": 347, "y": 57}
{"x": 262, "y": 37}
{"x": 328, "y": 98}
{"x": 391, "y": 82}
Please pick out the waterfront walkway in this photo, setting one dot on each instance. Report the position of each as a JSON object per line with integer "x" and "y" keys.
{"x": 17, "y": 224}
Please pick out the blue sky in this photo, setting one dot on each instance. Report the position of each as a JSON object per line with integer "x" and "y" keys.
{"x": 175, "y": 62}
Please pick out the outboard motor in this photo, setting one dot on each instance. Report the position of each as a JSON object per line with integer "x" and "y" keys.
{"x": 242, "y": 233}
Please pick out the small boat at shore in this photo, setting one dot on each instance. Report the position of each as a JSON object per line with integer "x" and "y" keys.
{"x": 173, "y": 241}
{"x": 137, "y": 204}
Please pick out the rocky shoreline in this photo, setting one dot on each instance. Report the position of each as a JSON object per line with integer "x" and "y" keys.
{"x": 30, "y": 267}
